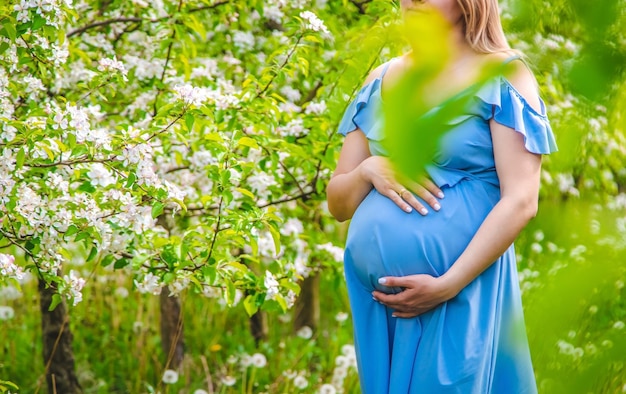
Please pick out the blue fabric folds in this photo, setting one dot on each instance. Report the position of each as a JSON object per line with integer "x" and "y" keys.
{"x": 510, "y": 108}
{"x": 498, "y": 100}
{"x": 355, "y": 116}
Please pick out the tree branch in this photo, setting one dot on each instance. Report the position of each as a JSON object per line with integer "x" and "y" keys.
{"x": 107, "y": 22}
{"x": 361, "y": 5}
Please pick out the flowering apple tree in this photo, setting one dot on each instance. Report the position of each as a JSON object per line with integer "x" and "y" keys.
{"x": 186, "y": 142}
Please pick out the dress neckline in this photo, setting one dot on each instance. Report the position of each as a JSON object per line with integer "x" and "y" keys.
{"x": 541, "y": 112}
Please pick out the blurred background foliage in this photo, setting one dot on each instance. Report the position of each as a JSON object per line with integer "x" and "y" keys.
{"x": 571, "y": 257}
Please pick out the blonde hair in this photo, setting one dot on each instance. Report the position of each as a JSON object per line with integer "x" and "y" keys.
{"x": 482, "y": 27}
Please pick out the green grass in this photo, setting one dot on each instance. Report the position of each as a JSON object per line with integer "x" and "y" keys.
{"x": 574, "y": 300}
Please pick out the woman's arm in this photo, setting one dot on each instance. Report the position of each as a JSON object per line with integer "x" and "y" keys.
{"x": 519, "y": 174}
{"x": 358, "y": 172}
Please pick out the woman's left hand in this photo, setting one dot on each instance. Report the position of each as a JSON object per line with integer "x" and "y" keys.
{"x": 421, "y": 293}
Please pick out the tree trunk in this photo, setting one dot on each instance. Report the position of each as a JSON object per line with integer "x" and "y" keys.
{"x": 258, "y": 327}
{"x": 307, "y": 307}
{"x": 171, "y": 330}
{"x": 58, "y": 356}
{"x": 172, "y": 339}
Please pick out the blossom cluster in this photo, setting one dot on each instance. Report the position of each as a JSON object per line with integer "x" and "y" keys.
{"x": 8, "y": 268}
{"x": 313, "y": 22}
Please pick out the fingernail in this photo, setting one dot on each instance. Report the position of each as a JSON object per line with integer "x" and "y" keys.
{"x": 440, "y": 195}
{"x": 437, "y": 207}
{"x": 374, "y": 298}
{"x": 393, "y": 315}
{"x": 408, "y": 209}
{"x": 382, "y": 281}
{"x": 423, "y": 211}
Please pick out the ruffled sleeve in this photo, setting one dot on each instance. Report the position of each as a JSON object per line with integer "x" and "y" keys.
{"x": 356, "y": 115}
{"x": 509, "y": 108}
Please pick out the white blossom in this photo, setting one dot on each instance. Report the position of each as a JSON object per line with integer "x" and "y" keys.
{"x": 295, "y": 128}
{"x": 100, "y": 175}
{"x": 8, "y": 268}
{"x": 192, "y": 95}
{"x": 149, "y": 284}
{"x": 76, "y": 285}
{"x": 271, "y": 284}
{"x": 112, "y": 65}
{"x": 316, "y": 108}
{"x": 243, "y": 40}
{"x": 292, "y": 226}
{"x": 290, "y": 93}
{"x": 335, "y": 251}
{"x": 312, "y": 22}
{"x": 273, "y": 12}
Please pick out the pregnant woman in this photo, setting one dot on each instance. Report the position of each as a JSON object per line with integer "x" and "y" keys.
{"x": 432, "y": 281}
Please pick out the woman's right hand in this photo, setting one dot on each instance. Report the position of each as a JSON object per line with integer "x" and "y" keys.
{"x": 378, "y": 171}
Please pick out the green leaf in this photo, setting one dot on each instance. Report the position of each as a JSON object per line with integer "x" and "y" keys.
{"x": 230, "y": 292}
{"x": 92, "y": 254}
{"x": 71, "y": 230}
{"x": 21, "y": 155}
{"x": 281, "y": 301}
{"x": 56, "y": 300}
{"x": 131, "y": 179}
{"x": 290, "y": 285}
{"x": 87, "y": 187}
{"x": 214, "y": 137}
{"x": 164, "y": 110}
{"x": 48, "y": 152}
{"x": 250, "y": 304}
{"x": 189, "y": 119}
{"x": 82, "y": 235}
{"x": 276, "y": 237}
{"x": 238, "y": 266}
{"x": 121, "y": 263}
{"x": 157, "y": 209}
{"x": 9, "y": 28}
{"x": 168, "y": 278}
{"x": 5, "y": 385}
{"x": 249, "y": 142}
{"x": 245, "y": 192}
{"x": 107, "y": 260}
{"x": 38, "y": 22}
{"x": 3, "y": 47}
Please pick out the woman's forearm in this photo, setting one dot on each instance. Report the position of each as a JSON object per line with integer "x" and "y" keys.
{"x": 493, "y": 238}
{"x": 345, "y": 192}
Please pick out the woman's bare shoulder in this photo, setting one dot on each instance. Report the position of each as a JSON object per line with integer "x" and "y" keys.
{"x": 376, "y": 73}
{"x": 520, "y": 76}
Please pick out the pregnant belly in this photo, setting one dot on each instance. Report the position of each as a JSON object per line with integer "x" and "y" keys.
{"x": 385, "y": 241}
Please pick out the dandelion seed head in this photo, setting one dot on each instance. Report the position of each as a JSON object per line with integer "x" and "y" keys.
{"x": 327, "y": 389}
{"x": 305, "y": 332}
{"x": 300, "y": 382}
{"x": 6, "y": 312}
{"x": 341, "y": 317}
{"x": 229, "y": 381}
{"x": 259, "y": 360}
{"x": 170, "y": 376}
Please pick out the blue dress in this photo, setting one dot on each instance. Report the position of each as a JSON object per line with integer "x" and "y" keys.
{"x": 475, "y": 342}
